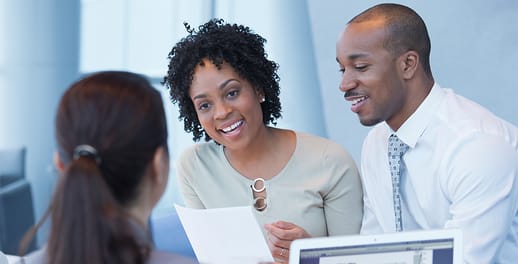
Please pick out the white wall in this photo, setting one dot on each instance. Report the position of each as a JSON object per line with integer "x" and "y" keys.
{"x": 474, "y": 52}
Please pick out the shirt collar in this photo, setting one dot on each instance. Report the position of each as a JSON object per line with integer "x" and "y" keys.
{"x": 416, "y": 124}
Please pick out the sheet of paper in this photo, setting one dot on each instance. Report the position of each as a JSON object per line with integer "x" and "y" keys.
{"x": 225, "y": 235}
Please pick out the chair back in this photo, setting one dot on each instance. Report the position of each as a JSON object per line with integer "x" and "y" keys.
{"x": 12, "y": 165}
{"x": 16, "y": 202}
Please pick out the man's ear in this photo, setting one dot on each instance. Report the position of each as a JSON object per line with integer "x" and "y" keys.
{"x": 58, "y": 163}
{"x": 409, "y": 63}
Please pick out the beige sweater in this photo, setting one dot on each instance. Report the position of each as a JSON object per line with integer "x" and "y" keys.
{"x": 319, "y": 188}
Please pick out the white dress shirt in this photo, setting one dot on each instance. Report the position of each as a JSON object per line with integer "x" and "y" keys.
{"x": 461, "y": 172}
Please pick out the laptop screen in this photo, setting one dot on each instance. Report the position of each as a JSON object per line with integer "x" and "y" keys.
{"x": 438, "y": 251}
{"x": 441, "y": 246}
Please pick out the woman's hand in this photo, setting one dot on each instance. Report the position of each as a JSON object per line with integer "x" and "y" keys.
{"x": 280, "y": 234}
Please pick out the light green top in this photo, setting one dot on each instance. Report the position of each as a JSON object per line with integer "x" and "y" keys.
{"x": 319, "y": 188}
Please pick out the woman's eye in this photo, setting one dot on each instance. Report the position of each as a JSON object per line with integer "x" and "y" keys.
{"x": 203, "y": 106}
{"x": 232, "y": 93}
{"x": 341, "y": 70}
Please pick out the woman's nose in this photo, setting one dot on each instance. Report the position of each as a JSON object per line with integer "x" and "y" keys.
{"x": 222, "y": 110}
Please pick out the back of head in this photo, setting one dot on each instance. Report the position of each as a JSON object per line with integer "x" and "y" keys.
{"x": 120, "y": 119}
{"x": 221, "y": 42}
{"x": 406, "y": 30}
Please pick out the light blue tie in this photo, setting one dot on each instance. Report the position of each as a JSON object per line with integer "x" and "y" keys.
{"x": 396, "y": 149}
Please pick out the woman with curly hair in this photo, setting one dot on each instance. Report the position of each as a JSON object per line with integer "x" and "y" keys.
{"x": 227, "y": 91}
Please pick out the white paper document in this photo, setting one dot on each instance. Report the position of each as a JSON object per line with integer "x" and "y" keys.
{"x": 225, "y": 235}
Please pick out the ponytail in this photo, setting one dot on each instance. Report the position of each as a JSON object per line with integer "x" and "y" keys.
{"x": 88, "y": 224}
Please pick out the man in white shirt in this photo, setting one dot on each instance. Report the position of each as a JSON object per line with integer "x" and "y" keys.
{"x": 461, "y": 166}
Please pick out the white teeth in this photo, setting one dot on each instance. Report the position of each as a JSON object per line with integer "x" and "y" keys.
{"x": 232, "y": 127}
{"x": 357, "y": 100}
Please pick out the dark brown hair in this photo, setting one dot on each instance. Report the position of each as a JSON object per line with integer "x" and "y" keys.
{"x": 121, "y": 116}
{"x": 221, "y": 42}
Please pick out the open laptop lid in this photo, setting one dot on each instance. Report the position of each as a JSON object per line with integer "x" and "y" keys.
{"x": 440, "y": 246}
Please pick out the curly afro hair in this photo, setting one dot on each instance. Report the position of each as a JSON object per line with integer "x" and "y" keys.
{"x": 220, "y": 43}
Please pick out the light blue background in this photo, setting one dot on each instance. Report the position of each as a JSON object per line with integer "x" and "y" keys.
{"x": 474, "y": 51}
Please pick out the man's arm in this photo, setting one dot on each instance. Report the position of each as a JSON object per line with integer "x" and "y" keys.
{"x": 482, "y": 185}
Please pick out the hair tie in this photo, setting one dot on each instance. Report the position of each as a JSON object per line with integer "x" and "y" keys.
{"x": 86, "y": 151}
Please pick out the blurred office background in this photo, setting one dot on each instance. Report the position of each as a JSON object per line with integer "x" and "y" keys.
{"x": 47, "y": 44}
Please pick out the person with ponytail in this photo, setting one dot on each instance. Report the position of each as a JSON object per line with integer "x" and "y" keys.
{"x": 113, "y": 160}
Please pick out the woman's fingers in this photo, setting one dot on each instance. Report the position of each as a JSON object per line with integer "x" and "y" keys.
{"x": 280, "y": 235}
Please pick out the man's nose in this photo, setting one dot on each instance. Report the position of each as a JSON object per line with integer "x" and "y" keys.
{"x": 348, "y": 82}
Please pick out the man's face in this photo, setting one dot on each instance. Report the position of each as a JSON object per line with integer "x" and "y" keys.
{"x": 371, "y": 80}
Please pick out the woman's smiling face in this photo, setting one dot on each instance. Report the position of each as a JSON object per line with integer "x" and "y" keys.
{"x": 228, "y": 106}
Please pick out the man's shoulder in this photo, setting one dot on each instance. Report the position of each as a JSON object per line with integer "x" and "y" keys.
{"x": 459, "y": 108}
{"x": 461, "y": 117}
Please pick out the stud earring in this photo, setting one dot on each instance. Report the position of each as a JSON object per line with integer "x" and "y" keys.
{"x": 262, "y": 100}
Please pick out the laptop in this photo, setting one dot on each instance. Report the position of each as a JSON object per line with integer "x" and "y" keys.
{"x": 437, "y": 246}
